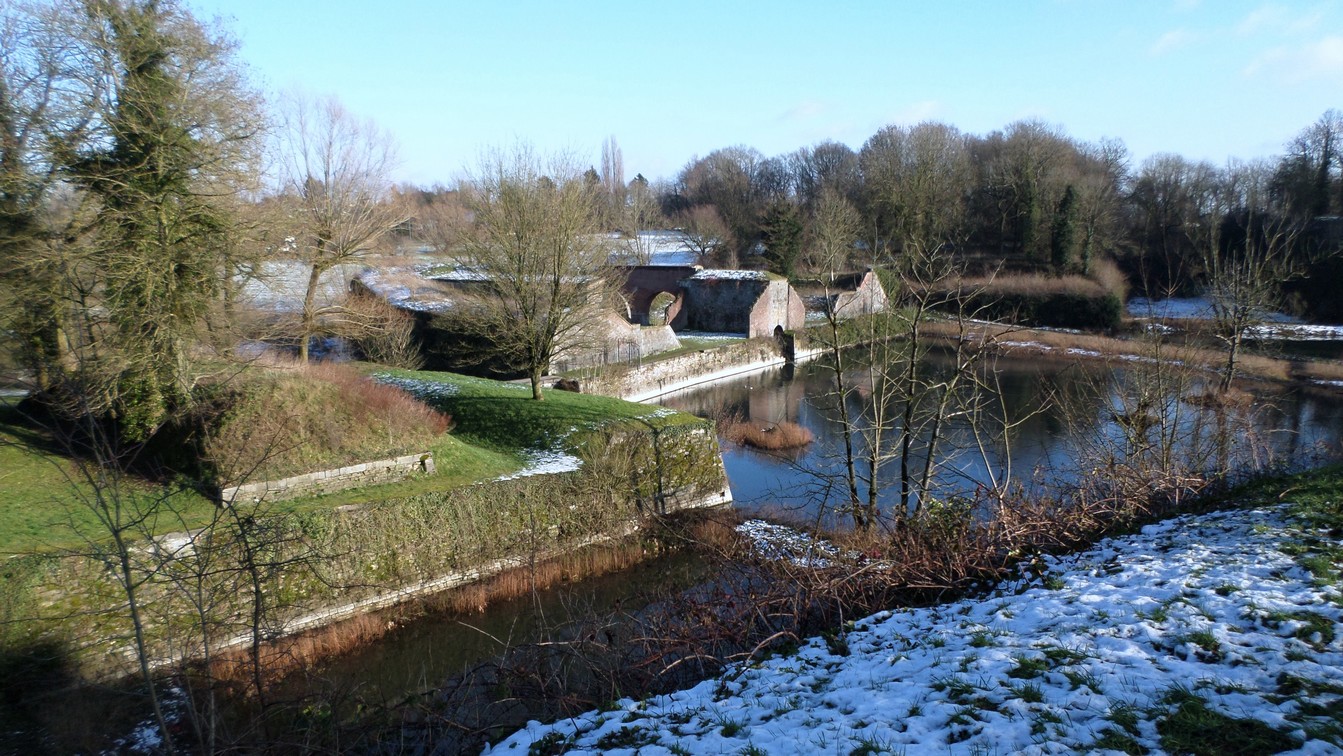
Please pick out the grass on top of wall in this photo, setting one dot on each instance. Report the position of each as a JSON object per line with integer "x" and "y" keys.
{"x": 505, "y": 416}
{"x": 44, "y": 505}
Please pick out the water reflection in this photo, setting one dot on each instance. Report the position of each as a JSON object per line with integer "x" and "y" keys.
{"x": 1046, "y": 419}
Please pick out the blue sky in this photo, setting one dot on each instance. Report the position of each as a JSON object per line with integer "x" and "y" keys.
{"x": 1209, "y": 79}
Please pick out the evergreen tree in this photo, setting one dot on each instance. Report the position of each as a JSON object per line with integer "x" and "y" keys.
{"x": 782, "y": 234}
{"x": 1063, "y": 241}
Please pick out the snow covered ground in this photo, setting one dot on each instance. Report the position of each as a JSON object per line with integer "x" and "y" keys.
{"x": 281, "y": 284}
{"x": 1201, "y": 626}
{"x": 661, "y": 247}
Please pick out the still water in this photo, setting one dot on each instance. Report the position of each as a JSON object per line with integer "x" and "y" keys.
{"x": 1047, "y": 418}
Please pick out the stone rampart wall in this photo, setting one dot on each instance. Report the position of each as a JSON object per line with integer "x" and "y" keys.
{"x": 330, "y": 481}
{"x": 683, "y": 371}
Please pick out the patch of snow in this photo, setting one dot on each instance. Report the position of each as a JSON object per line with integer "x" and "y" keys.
{"x": 279, "y": 285}
{"x": 545, "y": 462}
{"x": 782, "y": 543}
{"x": 663, "y": 248}
{"x": 1209, "y": 606}
{"x": 717, "y": 274}
{"x": 711, "y": 335}
{"x": 461, "y": 275}
{"x": 1024, "y": 345}
{"x": 406, "y": 288}
{"x": 419, "y": 388}
{"x": 1296, "y": 332}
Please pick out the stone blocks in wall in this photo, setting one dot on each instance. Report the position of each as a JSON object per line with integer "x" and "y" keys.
{"x": 330, "y": 481}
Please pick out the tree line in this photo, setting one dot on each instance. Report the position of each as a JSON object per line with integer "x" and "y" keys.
{"x": 1028, "y": 194}
{"x": 144, "y": 181}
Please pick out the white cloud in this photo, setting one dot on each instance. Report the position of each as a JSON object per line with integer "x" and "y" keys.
{"x": 1277, "y": 20}
{"x": 1322, "y": 58}
{"x": 1170, "y": 41}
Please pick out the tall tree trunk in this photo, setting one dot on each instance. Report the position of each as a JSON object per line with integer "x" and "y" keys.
{"x": 309, "y": 322}
{"x": 534, "y": 373}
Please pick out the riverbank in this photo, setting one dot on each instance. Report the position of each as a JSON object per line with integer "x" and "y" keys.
{"x": 1087, "y": 346}
{"x": 1197, "y": 634}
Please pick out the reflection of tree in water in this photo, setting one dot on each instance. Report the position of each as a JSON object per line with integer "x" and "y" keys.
{"x": 1059, "y": 411}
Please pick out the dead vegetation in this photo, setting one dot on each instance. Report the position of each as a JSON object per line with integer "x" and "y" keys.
{"x": 765, "y": 435}
{"x": 293, "y": 418}
{"x": 1072, "y": 346}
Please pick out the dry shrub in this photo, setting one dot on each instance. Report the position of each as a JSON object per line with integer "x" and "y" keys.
{"x": 1034, "y": 284}
{"x": 284, "y": 422}
{"x": 1211, "y": 398}
{"x": 383, "y": 333}
{"x": 1110, "y": 277}
{"x": 767, "y": 436}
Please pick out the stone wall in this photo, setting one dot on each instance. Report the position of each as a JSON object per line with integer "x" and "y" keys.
{"x": 868, "y": 298}
{"x": 329, "y": 481}
{"x": 721, "y": 304}
{"x": 622, "y": 342}
{"x": 654, "y": 379}
{"x": 643, "y": 282}
{"x": 779, "y": 307}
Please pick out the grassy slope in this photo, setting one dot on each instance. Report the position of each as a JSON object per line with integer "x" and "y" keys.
{"x": 503, "y": 416}
{"x": 495, "y": 422}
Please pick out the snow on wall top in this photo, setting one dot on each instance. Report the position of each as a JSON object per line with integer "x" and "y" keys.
{"x": 711, "y": 274}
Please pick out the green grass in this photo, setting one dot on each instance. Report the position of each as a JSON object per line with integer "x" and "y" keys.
{"x": 1193, "y": 728}
{"x": 40, "y": 495}
{"x": 503, "y": 416}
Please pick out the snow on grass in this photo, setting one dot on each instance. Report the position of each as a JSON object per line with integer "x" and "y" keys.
{"x": 420, "y": 389}
{"x": 711, "y": 336}
{"x": 1196, "y": 628}
{"x": 1024, "y": 345}
{"x": 544, "y": 462}
{"x": 783, "y": 543}
{"x": 1296, "y": 332}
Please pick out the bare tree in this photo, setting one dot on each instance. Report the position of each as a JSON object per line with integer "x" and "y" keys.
{"x": 544, "y": 269}
{"x": 639, "y": 211}
{"x": 336, "y": 181}
{"x": 1247, "y": 255}
{"x": 835, "y": 227}
{"x": 705, "y": 233}
{"x": 613, "y": 169}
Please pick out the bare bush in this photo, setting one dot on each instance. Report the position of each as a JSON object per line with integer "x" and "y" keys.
{"x": 313, "y": 418}
{"x": 381, "y": 332}
{"x": 766, "y": 435}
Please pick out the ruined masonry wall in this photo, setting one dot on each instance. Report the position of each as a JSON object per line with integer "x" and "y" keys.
{"x": 329, "y": 481}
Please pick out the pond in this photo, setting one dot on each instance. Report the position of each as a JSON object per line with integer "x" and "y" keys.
{"x": 1050, "y": 415}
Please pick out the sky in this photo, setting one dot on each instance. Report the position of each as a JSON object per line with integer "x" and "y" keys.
{"x": 1208, "y": 79}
